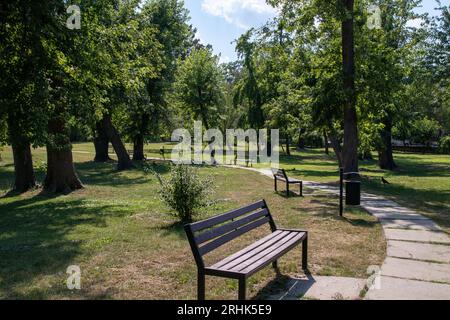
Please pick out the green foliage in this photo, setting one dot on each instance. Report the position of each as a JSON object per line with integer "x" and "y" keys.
{"x": 424, "y": 130}
{"x": 148, "y": 113}
{"x": 199, "y": 87}
{"x": 42, "y": 167}
{"x": 444, "y": 145}
{"x": 185, "y": 191}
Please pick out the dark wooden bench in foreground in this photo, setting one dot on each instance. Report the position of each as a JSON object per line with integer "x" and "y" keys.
{"x": 280, "y": 175}
{"x": 208, "y": 235}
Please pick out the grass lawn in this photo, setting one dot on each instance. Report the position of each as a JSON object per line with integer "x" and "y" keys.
{"x": 120, "y": 234}
{"x": 421, "y": 182}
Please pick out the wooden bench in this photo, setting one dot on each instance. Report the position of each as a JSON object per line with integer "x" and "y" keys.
{"x": 208, "y": 235}
{"x": 280, "y": 175}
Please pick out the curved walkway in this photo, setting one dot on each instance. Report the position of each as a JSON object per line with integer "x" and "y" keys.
{"x": 417, "y": 265}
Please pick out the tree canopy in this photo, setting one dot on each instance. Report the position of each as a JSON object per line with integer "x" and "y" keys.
{"x": 320, "y": 71}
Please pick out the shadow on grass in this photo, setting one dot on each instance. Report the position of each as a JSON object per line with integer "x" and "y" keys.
{"x": 412, "y": 168}
{"x": 105, "y": 174}
{"x": 36, "y": 240}
{"x": 176, "y": 228}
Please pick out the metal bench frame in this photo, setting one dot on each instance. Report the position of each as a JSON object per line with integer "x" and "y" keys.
{"x": 210, "y": 234}
{"x": 280, "y": 174}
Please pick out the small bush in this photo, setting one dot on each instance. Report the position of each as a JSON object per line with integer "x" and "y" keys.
{"x": 42, "y": 167}
{"x": 444, "y": 145}
{"x": 185, "y": 191}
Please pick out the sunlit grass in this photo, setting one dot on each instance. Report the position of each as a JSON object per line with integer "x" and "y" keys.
{"x": 128, "y": 246}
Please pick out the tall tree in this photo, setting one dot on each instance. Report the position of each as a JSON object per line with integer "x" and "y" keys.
{"x": 14, "y": 64}
{"x": 248, "y": 87}
{"x": 170, "y": 18}
{"x": 386, "y": 56}
{"x": 28, "y": 30}
{"x": 199, "y": 86}
{"x": 116, "y": 58}
{"x": 350, "y": 147}
{"x": 315, "y": 23}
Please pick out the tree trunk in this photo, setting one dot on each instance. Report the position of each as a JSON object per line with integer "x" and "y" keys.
{"x": 23, "y": 167}
{"x": 337, "y": 148}
{"x": 350, "y": 148}
{"x": 124, "y": 161}
{"x": 101, "y": 144}
{"x": 301, "y": 140}
{"x": 288, "y": 145}
{"x": 325, "y": 139}
{"x": 138, "y": 144}
{"x": 385, "y": 154}
{"x": 23, "y": 161}
{"x": 61, "y": 175}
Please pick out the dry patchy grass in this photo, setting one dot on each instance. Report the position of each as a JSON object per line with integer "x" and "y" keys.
{"x": 128, "y": 247}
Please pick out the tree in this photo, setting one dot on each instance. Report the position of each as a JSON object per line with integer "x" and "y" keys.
{"x": 350, "y": 147}
{"x": 199, "y": 86}
{"x": 17, "y": 92}
{"x": 247, "y": 88}
{"x": 29, "y": 58}
{"x": 387, "y": 54}
{"x": 174, "y": 37}
{"x": 116, "y": 56}
{"x": 315, "y": 22}
{"x": 61, "y": 79}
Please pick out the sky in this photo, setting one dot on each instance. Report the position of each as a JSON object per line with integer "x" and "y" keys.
{"x": 221, "y": 22}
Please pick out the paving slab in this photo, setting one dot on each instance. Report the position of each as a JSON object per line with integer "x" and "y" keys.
{"x": 416, "y": 270}
{"x": 417, "y": 236}
{"x": 410, "y": 224}
{"x": 403, "y": 289}
{"x": 322, "y": 288}
{"x": 419, "y": 251}
{"x": 393, "y": 215}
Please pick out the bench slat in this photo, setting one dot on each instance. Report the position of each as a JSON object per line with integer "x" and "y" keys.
{"x": 232, "y": 235}
{"x": 246, "y": 262}
{"x": 249, "y": 252}
{"x": 223, "y": 229}
{"x": 226, "y": 216}
{"x": 280, "y": 251}
{"x": 267, "y": 255}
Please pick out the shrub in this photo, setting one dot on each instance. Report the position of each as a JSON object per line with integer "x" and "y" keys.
{"x": 42, "y": 167}
{"x": 444, "y": 145}
{"x": 185, "y": 191}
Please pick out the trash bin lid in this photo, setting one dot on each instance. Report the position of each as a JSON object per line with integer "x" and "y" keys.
{"x": 352, "y": 175}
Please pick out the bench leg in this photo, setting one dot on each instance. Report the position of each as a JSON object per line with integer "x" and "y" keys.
{"x": 201, "y": 286}
{"x": 301, "y": 189}
{"x": 242, "y": 289}
{"x": 305, "y": 254}
{"x": 275, "y": 265}
{"x": 287, "y": 188}
{"x": 276, "y": 186}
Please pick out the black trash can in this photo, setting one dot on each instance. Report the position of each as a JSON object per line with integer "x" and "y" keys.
{"x": 352, "y": 193}
{"x": 352, "y": 182}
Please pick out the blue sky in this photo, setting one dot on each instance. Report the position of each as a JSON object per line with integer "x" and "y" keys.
{"x": 220, "y": 22}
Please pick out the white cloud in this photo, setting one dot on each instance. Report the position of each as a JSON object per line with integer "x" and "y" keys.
{"x": 233, "y": 11}
{"x": 224, "y": 59}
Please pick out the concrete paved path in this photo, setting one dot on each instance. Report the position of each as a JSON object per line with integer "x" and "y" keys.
{"x": 417, "y": 266}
